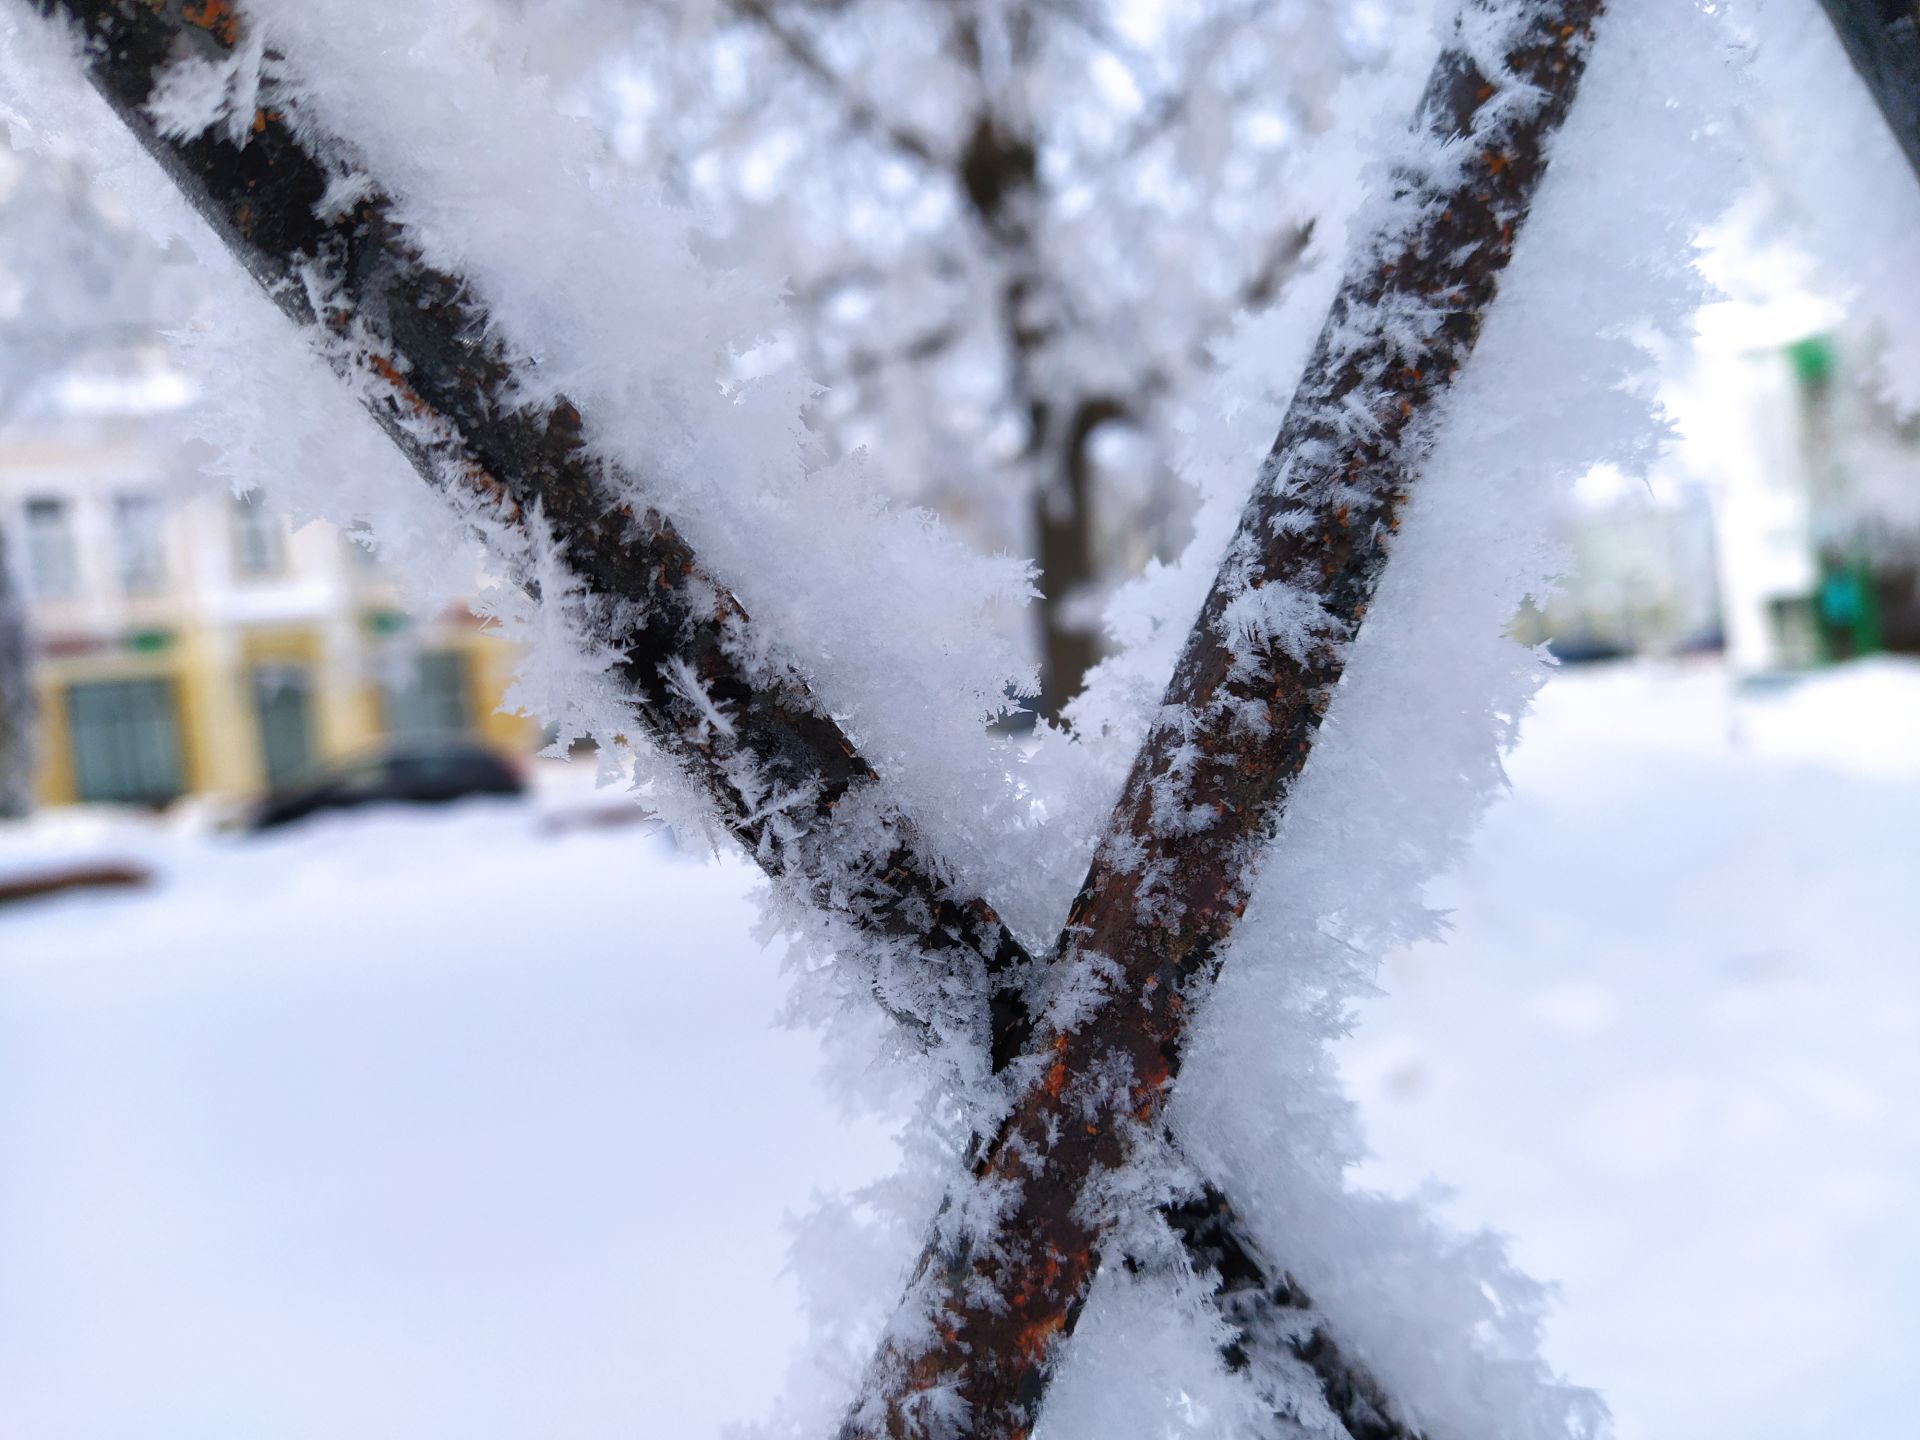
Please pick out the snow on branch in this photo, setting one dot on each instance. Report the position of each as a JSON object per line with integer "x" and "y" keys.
{"x": 974, "y": 1346}
{"x": 633, "y": 629}
{"x": 689, "y": 667}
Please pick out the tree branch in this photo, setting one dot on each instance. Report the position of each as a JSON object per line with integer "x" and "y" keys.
{"x": 1165, "y": 111}
{"x": 439, "y": 386}
{"x": 991, "y": 1307}
{"x": 861, "y": 112}
{"x": 1882, "y": 38}
{"x": 1101, "y": 35}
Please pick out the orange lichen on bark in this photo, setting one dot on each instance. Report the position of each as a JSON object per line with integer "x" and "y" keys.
{"x": 217, "y": 17}
{"x": 405, "y": 393}
{"x": 1033, "y": 1339}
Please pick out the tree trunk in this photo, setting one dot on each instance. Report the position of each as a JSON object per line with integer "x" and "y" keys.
{"x": 999, "y": 172}
{"x": 1063, "y": 526}
{"x": 16, "y": 697}
{"x": 1882, "y": 38}
{"x": 984, "y": 1324}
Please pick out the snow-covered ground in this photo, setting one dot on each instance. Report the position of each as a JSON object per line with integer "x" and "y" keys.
{"x": 401, "y": 1126}
{"x": 414, "y": 1124}
{"x": 1672, "y": 1047}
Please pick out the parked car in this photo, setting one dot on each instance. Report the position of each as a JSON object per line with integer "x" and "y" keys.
{"x": 418, "y": 772}
{"x": 1584, "y": 649}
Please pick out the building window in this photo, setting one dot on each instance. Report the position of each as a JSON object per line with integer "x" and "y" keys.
{"x": 139, "y": 535}
{"x": 427, "y": 696}
{"x": 126, "y": 741}
{"x": 259, "y": 537}
{"x": 51, "y": 558}
{"x": 283, "y": 709}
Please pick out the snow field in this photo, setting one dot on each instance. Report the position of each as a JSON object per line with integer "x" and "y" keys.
{"x": 1672, "y": 1041}
{"x": 403, "y": 1124}
{"x": 367, "y": 1129}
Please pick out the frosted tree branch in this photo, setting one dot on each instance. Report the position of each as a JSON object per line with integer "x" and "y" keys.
{"x": 860, "y": 111}
{"x": 1000, "y": 1288}
{"x": 1882, "y": 38}
{"x": 415, "y": 344}
{"x": 418, "y": 348}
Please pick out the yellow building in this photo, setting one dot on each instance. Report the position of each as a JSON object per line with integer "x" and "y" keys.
{"x": 188, "y": 643}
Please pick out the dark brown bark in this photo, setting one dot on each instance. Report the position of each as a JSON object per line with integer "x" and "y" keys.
{"x": 431, "y": 364}
{"x": 1882, "y": 38}
{"x": 1065, "y": 556}
{"x": 1063, "y": 527}
{"x": 1273, "y": 1319}
{"x": 1170, "y": 878}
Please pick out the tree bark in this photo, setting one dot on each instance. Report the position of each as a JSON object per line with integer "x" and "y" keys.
{"x": 16, "y": 696}
{"x": 1882, "y": 38}
{"x": 1063, "y": 524}
{"x": 1000, "y": 175}
{"x": 988, "y": 1312}
{"x": 438, "y": 376}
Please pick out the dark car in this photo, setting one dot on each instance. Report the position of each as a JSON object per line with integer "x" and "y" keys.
{"x": 423, "y": 772}
{"x": 1584, "y": 649}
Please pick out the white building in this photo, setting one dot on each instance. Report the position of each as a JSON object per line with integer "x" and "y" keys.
{"x": 190, "y": 642}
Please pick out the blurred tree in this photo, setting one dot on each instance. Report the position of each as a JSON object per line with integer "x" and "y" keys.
{"x": 1011, "y": 231}
{"x": 80, "y": 290}
{"x": 80, "y": 287}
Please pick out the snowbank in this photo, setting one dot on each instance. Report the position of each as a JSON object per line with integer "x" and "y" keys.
{"x": 1673, "y": 1041}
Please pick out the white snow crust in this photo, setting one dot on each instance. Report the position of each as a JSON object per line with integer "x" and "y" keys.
{"x": 597, "y": 287}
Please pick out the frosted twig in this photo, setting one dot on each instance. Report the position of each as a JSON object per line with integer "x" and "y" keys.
{"x": 990, "y": 1317}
